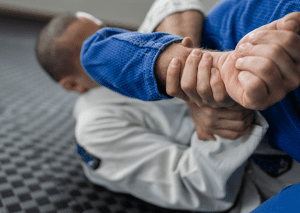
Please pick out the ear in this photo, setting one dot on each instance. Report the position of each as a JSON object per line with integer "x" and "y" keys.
{"x": 71, "y": 83}
{"x": 187, "y": 42}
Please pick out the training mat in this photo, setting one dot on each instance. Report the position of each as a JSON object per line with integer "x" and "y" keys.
{"x": 40, "y": 170}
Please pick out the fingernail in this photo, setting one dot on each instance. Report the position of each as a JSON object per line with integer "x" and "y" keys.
{"x": 243, "y": 47}
{"x": 252, "y": 37}
{"x": 196, "y": 52}
{"x": 293, "y": 25}
{"x": 206, "y": 56}
{"x": 174, "y": 62}
{"x": 239, "y": 62}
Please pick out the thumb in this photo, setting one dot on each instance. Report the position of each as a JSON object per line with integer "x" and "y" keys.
{"x": 290, "y": 22}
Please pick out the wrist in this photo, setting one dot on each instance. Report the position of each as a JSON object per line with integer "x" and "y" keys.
{"x": 174, "y": 50}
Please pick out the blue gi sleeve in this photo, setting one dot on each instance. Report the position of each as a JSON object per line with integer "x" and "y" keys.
{"x": 123, "y": 61}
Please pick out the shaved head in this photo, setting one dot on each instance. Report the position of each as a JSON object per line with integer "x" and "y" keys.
{"x": 54, "y": 56}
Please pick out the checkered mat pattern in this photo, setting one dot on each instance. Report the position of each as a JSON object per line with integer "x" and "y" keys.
{"x": 40, "y": 170}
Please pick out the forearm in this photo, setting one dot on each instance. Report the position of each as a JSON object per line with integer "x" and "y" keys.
{"x": 184, "y": 24}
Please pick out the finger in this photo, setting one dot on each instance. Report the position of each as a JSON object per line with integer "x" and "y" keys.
{"x": 232, "y": 135}
{"x": 269, "y": 73}
{"x": 173, "y": 80}
{"x": 239, "y": 112}
{"x": 242, "y": 112}
{"x": 254, "y": 89}
{"x": 202, "y": 135}
{"x": 232, "y": 84}
{"x": 203, "y": 79}
{"x": 206, "y": 137}
{"x": 220, "y": 94}
{"x": 235, "y": 125}
{"x": 236, "y": 107}
{"x": 223, "y": 113}
{"x": 290, "y": 22}
{"x": 189, "y": 76}
{"x": 277, "y": 55}
{"x": 289, "y": 41}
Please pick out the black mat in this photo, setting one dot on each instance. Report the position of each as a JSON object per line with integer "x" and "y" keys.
{"x": 40, "y": 170}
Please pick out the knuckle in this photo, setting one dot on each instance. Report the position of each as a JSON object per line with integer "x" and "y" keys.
{"x": 214, "y": 105}
{"x": 251, "y": 104}
{"x": 297, "y": 79}
{"x": 239, "y": 115}
{"x": 171, "y": 91}
{"x": 280, "y": 95}
{"x": 276, "y": 50}
{"x": 216, "y": 83}
{"x": 294, "y": 82}
{"x": 256, "y": 105}
{"x": 268, "y": 68}
{"x": 242, "y": 125}
{"x": 209, "y": 123}
{"x": 256, "y": 85}
{"x": 290, "y": 39}
{"x": 203, "y": 89}
{"x": 209, "y": 111}
{"x": 235, "y": 135}
{"x": 186, "y": 86}
{"x": 221, "y": 98}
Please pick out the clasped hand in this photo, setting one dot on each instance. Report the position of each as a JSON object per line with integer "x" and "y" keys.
{"x": 262, "y": 69}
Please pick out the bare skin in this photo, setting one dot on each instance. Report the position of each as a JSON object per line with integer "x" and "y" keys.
{"x": 252, "y": 88}
{"x": 186, "y": 85}
{"x": 191, "y": 29}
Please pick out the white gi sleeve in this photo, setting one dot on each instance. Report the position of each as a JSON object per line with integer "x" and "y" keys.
{"x": 205, "y": 176}
{"x": 160, "y": 9}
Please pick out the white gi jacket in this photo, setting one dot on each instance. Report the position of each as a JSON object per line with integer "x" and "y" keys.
{"x": 150, "y": 150}
{"x": 160, "y": 9}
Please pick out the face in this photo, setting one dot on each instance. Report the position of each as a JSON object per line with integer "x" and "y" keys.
{"x": 74, "y": 37}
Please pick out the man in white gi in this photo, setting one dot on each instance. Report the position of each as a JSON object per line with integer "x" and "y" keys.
{"x": 151, "y": 151}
